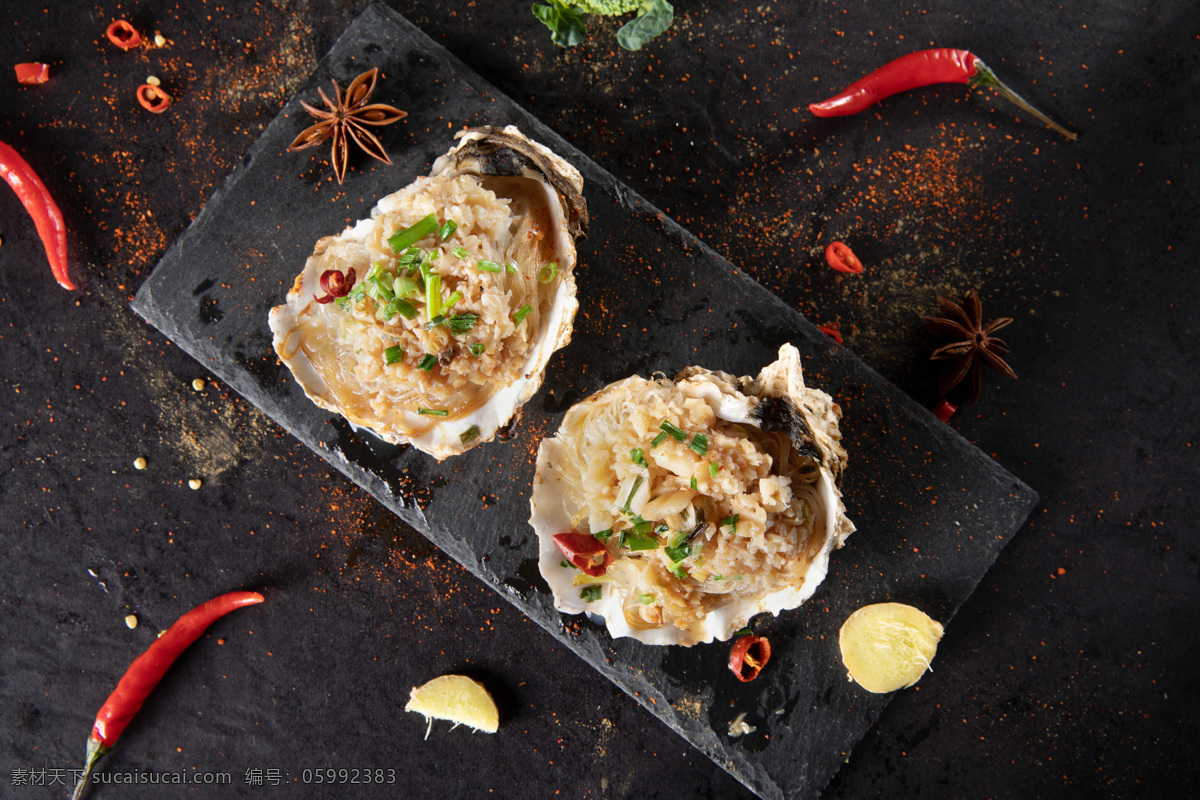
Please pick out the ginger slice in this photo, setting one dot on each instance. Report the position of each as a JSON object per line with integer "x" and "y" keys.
{"x": 457, "y": 699}
{"x": 888, "y": 646}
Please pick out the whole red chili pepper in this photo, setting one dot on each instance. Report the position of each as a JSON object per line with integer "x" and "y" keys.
{"x": 41, "y": 206}
{"x": 746, "y": 664}
{"x": 147, "y": 670}
{"x": 923, "y": 68}
{"x": 584, "y": 551}
{"x": 842, "y": 258}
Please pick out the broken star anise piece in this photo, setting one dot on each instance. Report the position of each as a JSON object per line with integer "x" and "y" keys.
{"x": 970, "y": 343}
{"x": 346, "y": 120}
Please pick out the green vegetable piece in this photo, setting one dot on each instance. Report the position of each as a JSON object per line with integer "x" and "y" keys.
{"x": 393, "y": 354}
{"x": 654, "y": 17}
{"x": 427, "y": 361}
{"x": 413, "y": 234}
{"x": 548, "y": 272}
{"x": 590, "y": 594}
{"x": 672, "y": 431}
{"x": 447, "y": 230}
{"x": 469, "y": 435}
{"x": 521, "y": 314}
{"x": 432, "y": 412}
{"x": 483, "y": 265}
{"x": 477, "y": 349}
{"x": 565, "y": 23}
{"x": 699, "y": 444}
{"x": 637, "y": 456}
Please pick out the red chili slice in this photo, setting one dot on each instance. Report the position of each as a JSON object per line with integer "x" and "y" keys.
{"x": 944, "y": 410}
{"x": 335, "y": 285}
{"x": 32, "y": 72}
{"x": 749, "y": 655}
{"x": 123, "y": 35}
{"x": 584, "y": 551}
{"x": 152, "y": 98}
{"x": 842, "y": 258}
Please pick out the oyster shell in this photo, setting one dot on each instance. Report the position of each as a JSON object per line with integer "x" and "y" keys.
{"x": 717, "y": 497}
{"x": 438, "y": 345}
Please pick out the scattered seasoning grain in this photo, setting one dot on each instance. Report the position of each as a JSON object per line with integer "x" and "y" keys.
{"x": 198, "y": 384}
{"x": 195, "y": 483}
{"x": 160, "y": 40}
{"x": 139, "y": 463}
{"x": 153, "y": 80}
{"x": 131, "y": 621}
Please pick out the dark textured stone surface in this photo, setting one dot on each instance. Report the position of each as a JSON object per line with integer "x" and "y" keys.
{"x": 933, "y": 511}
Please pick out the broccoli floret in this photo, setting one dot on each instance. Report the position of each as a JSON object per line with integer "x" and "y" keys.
{"x": 606, "y": 8}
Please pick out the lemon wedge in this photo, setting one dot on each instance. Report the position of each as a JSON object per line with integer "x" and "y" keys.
{"x": 888, "y": 646}
{"x": 457, "y": 699}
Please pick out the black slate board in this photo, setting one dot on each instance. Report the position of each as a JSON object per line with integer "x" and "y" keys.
{"x": 933, "y": 512}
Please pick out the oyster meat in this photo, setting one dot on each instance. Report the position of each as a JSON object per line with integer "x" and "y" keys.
{"x": 431, "y": 322}
{"x": 716, "y": 497}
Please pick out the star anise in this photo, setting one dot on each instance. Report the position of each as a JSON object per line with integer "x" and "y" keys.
{"x": 346, "y": 120}
{"x": 971, "y": 343}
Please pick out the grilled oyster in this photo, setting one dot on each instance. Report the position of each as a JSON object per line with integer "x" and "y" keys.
{"x": 431, "y": 322}
{"x": 709, "y": 498}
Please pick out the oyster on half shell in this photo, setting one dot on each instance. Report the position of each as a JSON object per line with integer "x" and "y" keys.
{"x": 442, "y": 338}
{"x": 716, "y": 498}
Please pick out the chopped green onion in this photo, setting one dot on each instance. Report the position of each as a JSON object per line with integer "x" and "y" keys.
{"x": 637, "y": 484}
{"x": 461, "y": 323}
{"x": 469, "y": 435}
{"x": 410, "y": 260}
{"x": 403, "y": 308}
{"x": 637, "y": 456}
{"x": 746, "y": 631}
{"x": 432, "y": 412}
{"x": 672, "y": 431}
{"x": 477, "y": 349}
{"x": 567, "y": 564}
{"x": 405, "y": 286}
{"x": 641, "y": 527}
{"x": 641, "y": 542}
{"x": 433, "y": 296}
{"x": 461, "y": 252}
{"x": 662, "y": 437}
{"x": 603, "y": 536}
{"x": 678, "y": 571}
{"x": 806, "y": 511}
{"x": 427, "y": 361}
{"x": 447, "y": 230}
{"x": 713, "y": 469}
{"x": 548, "y": 272}
{"x": 343, "y": 303}
{"x": 454, "y": 297}
{"x": 393, "y": 354}
{"x": 377, "y": 284}
{"x": 512, "y": 267}
{"x": 413, "y": 234}
{"x": 483, "y": 265}
{"x": 731, "y": 522}
{"x": 678, "y": 550}
{"x": 521, "y": 314}
{"x": 645, "y": 599}
{"x": 590, "y": 594}
{"x": 694, "y": 485}
{"x": 699, "y": 444}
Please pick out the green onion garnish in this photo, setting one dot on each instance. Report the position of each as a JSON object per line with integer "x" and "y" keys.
{"x": 433, "y": 296}
{"x": 590, "y": 594}
{"x": 393, "y": 354}
{"x": 548, "y": 272}
{"x": 432, "y": 412}
{"x": 694, "y": 485}
{"x": 343, "y": 303}
{"x": 678, "y": 571}
{"x": 567, "y": 564}
{"x": 521, "y": 314}
{"x": 410, "y": 260}
{"x": 477, "y": 349}
{"x": 403, "y": 308}
{"x": 512, "y": 267}
{"x": 454, "y": 297}
{"x": 603, "y": 536}
{"x": 637, "y": 484}
{"x": 713, "y": 469}
{"x": 731, "y": 522}
{"x": 699, "y": 444}
{"x": 641, "y": 542}
{"x": 672, "y": 431}
{"x": 641, "y": 527}
{"x": 427, "y": 361}
{"x": 447, "y": 230}
{"x": 469, "y": 435}
{"x": 678, "y": 550}
{"x": 662, "y": 437}
{"x": 411, "y": 235}
{"x": 483, "y": 265}
{"x": 461, "y": 323}
{"x": 743, "y": 632}
{"x": 645, "y": 599}
{"x": 637, "y": 456}
{"x": 405, "y": 286}
{"x": 461, "y": 252}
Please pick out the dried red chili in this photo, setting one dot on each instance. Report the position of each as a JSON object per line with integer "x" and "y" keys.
{"x": 153, "y": 98}
{"x": 146, "y": 672}
{"x": 923, "y": 68}
{"x": 944, "y": 410}
{"x": 842, "y": 258}
{"x": 748, "y": 657}
{"x": 335, "y": 285}
{"x": 831, "y": 331}
{"x": 32, "y": 72}
{"x": 123, "y": 35}
{"x": 41, "y": 206}
{"x": 584, "y": 551}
